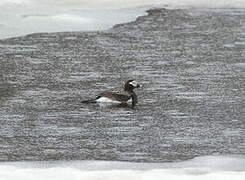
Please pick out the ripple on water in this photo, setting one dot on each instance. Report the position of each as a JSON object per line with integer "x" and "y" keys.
{"x": 240, "y": 65}
{"x": 194, "y": 96}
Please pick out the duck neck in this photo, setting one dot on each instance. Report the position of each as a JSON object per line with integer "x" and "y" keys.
{"x": 128, "y": 88}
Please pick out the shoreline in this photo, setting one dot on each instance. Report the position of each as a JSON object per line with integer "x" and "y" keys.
{"x": 145, "y": 12}
{"x": 199, "y": 168}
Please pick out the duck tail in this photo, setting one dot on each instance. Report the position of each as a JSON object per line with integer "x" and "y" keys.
{"x": 90, "y": 101}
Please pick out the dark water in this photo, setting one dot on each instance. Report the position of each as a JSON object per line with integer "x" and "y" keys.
{"x": 191, "y": 63}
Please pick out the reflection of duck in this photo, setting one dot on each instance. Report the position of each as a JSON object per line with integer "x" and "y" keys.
{"x": 122, "y": 97}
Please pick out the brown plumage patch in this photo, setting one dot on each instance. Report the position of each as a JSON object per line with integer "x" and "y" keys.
{"x": 121, "y": 96}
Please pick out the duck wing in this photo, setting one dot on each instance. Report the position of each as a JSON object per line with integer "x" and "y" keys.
{"x": 116, "y": 95}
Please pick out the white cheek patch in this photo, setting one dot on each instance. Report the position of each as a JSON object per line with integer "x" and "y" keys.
{"x": 134, "y": 83}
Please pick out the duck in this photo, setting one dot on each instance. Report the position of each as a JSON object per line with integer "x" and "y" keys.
{"x": 123, "y": 97}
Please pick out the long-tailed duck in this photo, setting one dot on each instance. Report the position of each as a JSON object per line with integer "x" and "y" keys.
{"x": 121, "y": 97}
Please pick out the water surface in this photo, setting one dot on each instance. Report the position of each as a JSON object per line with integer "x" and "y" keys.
{"x": 189, "y": 61}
